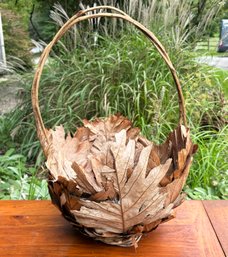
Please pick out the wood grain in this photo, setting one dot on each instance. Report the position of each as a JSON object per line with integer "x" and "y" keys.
{"x": 44, "y": 208}
{"x": 41, "y": 231}
{"x": 218, "y": 214}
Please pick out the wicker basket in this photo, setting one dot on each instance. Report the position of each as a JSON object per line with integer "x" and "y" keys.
{"x": 110, "y": 182}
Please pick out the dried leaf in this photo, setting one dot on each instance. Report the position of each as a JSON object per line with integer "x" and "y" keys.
{"x": 133, "y": 206}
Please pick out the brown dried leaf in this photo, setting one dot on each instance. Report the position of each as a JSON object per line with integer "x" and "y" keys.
{"x": 83, "y": 180}
{"x": 174, "y": 188}
{"x": 139, "y": 197}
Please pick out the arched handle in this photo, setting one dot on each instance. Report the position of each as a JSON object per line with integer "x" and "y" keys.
{"x": 80, "y": 16}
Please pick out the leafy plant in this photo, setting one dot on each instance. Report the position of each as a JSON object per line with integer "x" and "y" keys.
{"x": 210, "y": 167}
{"x": 99, "y": 81}
{"x": 6, "y": 141}
{"x": 205, "y": 97}
{"x": 208, "y": 193}
{"x": 17, "y": 47}
{"x": 18, "y": 180}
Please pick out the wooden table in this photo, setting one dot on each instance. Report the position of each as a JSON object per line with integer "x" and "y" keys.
{"x": 36, "y": 228}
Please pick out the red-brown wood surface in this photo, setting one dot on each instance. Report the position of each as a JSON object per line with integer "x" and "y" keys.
{"x": 36, "y": 228}
{"x": 218, "y": 214}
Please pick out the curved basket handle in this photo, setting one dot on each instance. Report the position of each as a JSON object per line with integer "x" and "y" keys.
{"x": 80, "y": 16}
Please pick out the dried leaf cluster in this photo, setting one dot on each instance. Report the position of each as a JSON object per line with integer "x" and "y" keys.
{"x": 113, "y": 184}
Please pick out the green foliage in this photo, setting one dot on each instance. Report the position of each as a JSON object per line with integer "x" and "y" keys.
{"x": 21, "y": 7}
{"x": 200, "y": 193}
{"x": 180, "y": 20}
{"x": 210, "y": 166}
{"x": 202, "y": 9}
{"x": 215, "y": 23}
{"x": 205, "y": 97}
{"x": 222, "y": 77}
{"x": 126, "y": 76}
{"x": 16, "y": 46}
{"x": 18, "y": 180}
{"x": 41, "y": 27}
{"x": 6, "y": 141}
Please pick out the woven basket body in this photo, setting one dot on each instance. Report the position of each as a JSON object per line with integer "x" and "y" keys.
{"x": 110, "y": 182}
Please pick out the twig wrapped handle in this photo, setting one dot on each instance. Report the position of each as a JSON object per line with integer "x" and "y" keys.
{"x": 80, "y": 16}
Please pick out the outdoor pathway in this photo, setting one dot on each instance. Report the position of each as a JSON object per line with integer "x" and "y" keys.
{"x": 9, "y": 93}
{"x": 216, "y": 61}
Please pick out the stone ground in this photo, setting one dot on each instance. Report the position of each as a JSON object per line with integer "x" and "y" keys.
{"x": 10, "y": 91}
{"x": 215, "y": 61}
